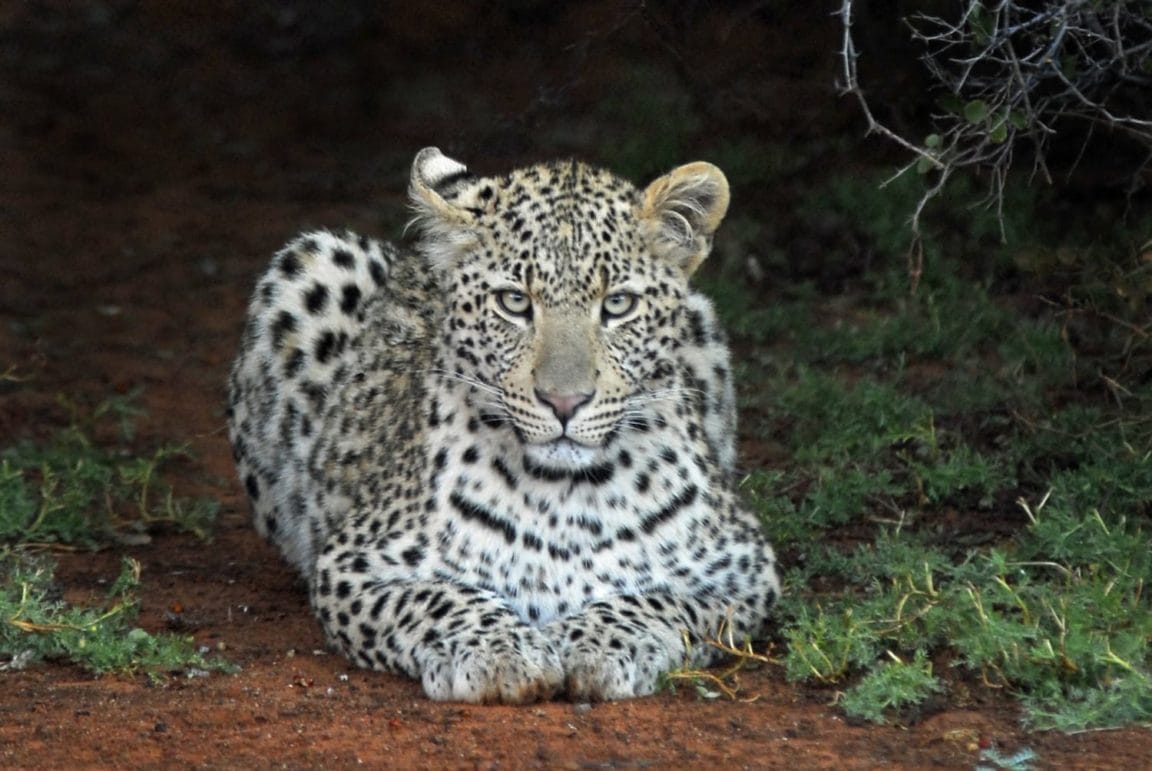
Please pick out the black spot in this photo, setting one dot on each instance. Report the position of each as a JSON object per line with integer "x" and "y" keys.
{"x": 597, "y": 475}
{"x": 270, "y": 524}
{"x": 285, "y": 324}
{"x": 643, "y": 482}
{"x": 324, "y": 347}
{"x": 684, "y": 498}
{"x": 343, "y": 258}
{"x": 350, "y": 298}
{"x": 378, "y": 606}
{"x": 440, "y": 610}
{"x": 690, "y": 612}
{"x": 545, "y": 473}
{"x": 488, "y": 419}
{"x": 412, "y": 557}
{"x": 295, "y": 362}
{"x": 471, "y": 455}
{"x": 376, "y": 270}
{"x": 253, "y": 487}
{"x": 316, "y": 298}
{"x": 315, "y": 394}
{"x": 472, "y": 511}
{"x": 289, "y": 264}
{"x": 505, "y": 473}
{"x": 719, "y": 565}
{"x": 592, "y": 526}
{"x": 696, "y": 328}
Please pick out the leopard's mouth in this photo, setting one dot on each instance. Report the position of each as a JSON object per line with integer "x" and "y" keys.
{"x": 560, "y": 455}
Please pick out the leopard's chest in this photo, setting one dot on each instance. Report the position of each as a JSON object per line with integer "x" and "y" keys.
{"x": 551, "y": 545}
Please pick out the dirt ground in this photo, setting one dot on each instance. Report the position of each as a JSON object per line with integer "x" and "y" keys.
{"x": 152, "y": 156}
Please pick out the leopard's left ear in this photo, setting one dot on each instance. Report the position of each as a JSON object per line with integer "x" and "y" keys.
{"x": 446, "y": 198}
{"x": 681, "y": 211}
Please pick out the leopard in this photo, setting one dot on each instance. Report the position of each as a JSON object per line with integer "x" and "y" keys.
{"x": 502, "y": 455}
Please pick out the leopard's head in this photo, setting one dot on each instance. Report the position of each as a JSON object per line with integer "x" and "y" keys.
{"x": 565, "y": 289}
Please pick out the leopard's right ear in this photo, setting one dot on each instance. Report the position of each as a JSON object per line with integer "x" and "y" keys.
{"x": 446, "y": 199}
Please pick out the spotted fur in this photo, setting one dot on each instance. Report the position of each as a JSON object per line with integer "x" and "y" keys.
{"x": 503, "y": 463}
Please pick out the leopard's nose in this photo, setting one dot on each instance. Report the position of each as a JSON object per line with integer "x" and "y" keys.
{"x": 564, "y": 406}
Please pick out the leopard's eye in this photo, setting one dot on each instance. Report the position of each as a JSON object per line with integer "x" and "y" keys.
{"x": 514, "y": 303}
{"x": 618, "y": 305}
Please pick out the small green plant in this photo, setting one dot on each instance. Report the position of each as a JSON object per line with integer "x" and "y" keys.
{"x": 891, "y": 686}
{"x": 73, "y": 492}
{"x": 70, "y": 490}
{"x": 35, "y": 625}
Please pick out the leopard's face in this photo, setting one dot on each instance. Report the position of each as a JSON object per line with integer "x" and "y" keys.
{"x": 570, "y": 339}
{"x": 564, "y": 309}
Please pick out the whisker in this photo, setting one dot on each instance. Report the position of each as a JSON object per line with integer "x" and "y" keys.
{"x": 491, "y": 401}
{"x": 467, "y": 380}
{"x": 642, "y": 398}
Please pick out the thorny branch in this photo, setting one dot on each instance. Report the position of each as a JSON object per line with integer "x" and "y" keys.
{"x": 1009, "y": 73}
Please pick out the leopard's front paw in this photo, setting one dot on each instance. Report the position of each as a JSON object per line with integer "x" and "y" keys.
{"x": 603, "y": 661}
{"x": 515, "y": 666}
{"x": 603, "y": 674}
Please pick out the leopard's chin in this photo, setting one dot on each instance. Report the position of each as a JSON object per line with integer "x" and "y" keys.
{"x": 562, "y": 455}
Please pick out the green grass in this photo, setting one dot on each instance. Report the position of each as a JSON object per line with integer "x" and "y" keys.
{"x": 72, "y": 492}
{"x": 968, "y": 491}
{"x": 36, "y": 625}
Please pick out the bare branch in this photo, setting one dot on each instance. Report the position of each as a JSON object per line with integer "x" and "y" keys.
{"x": 1013, "y": 71}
